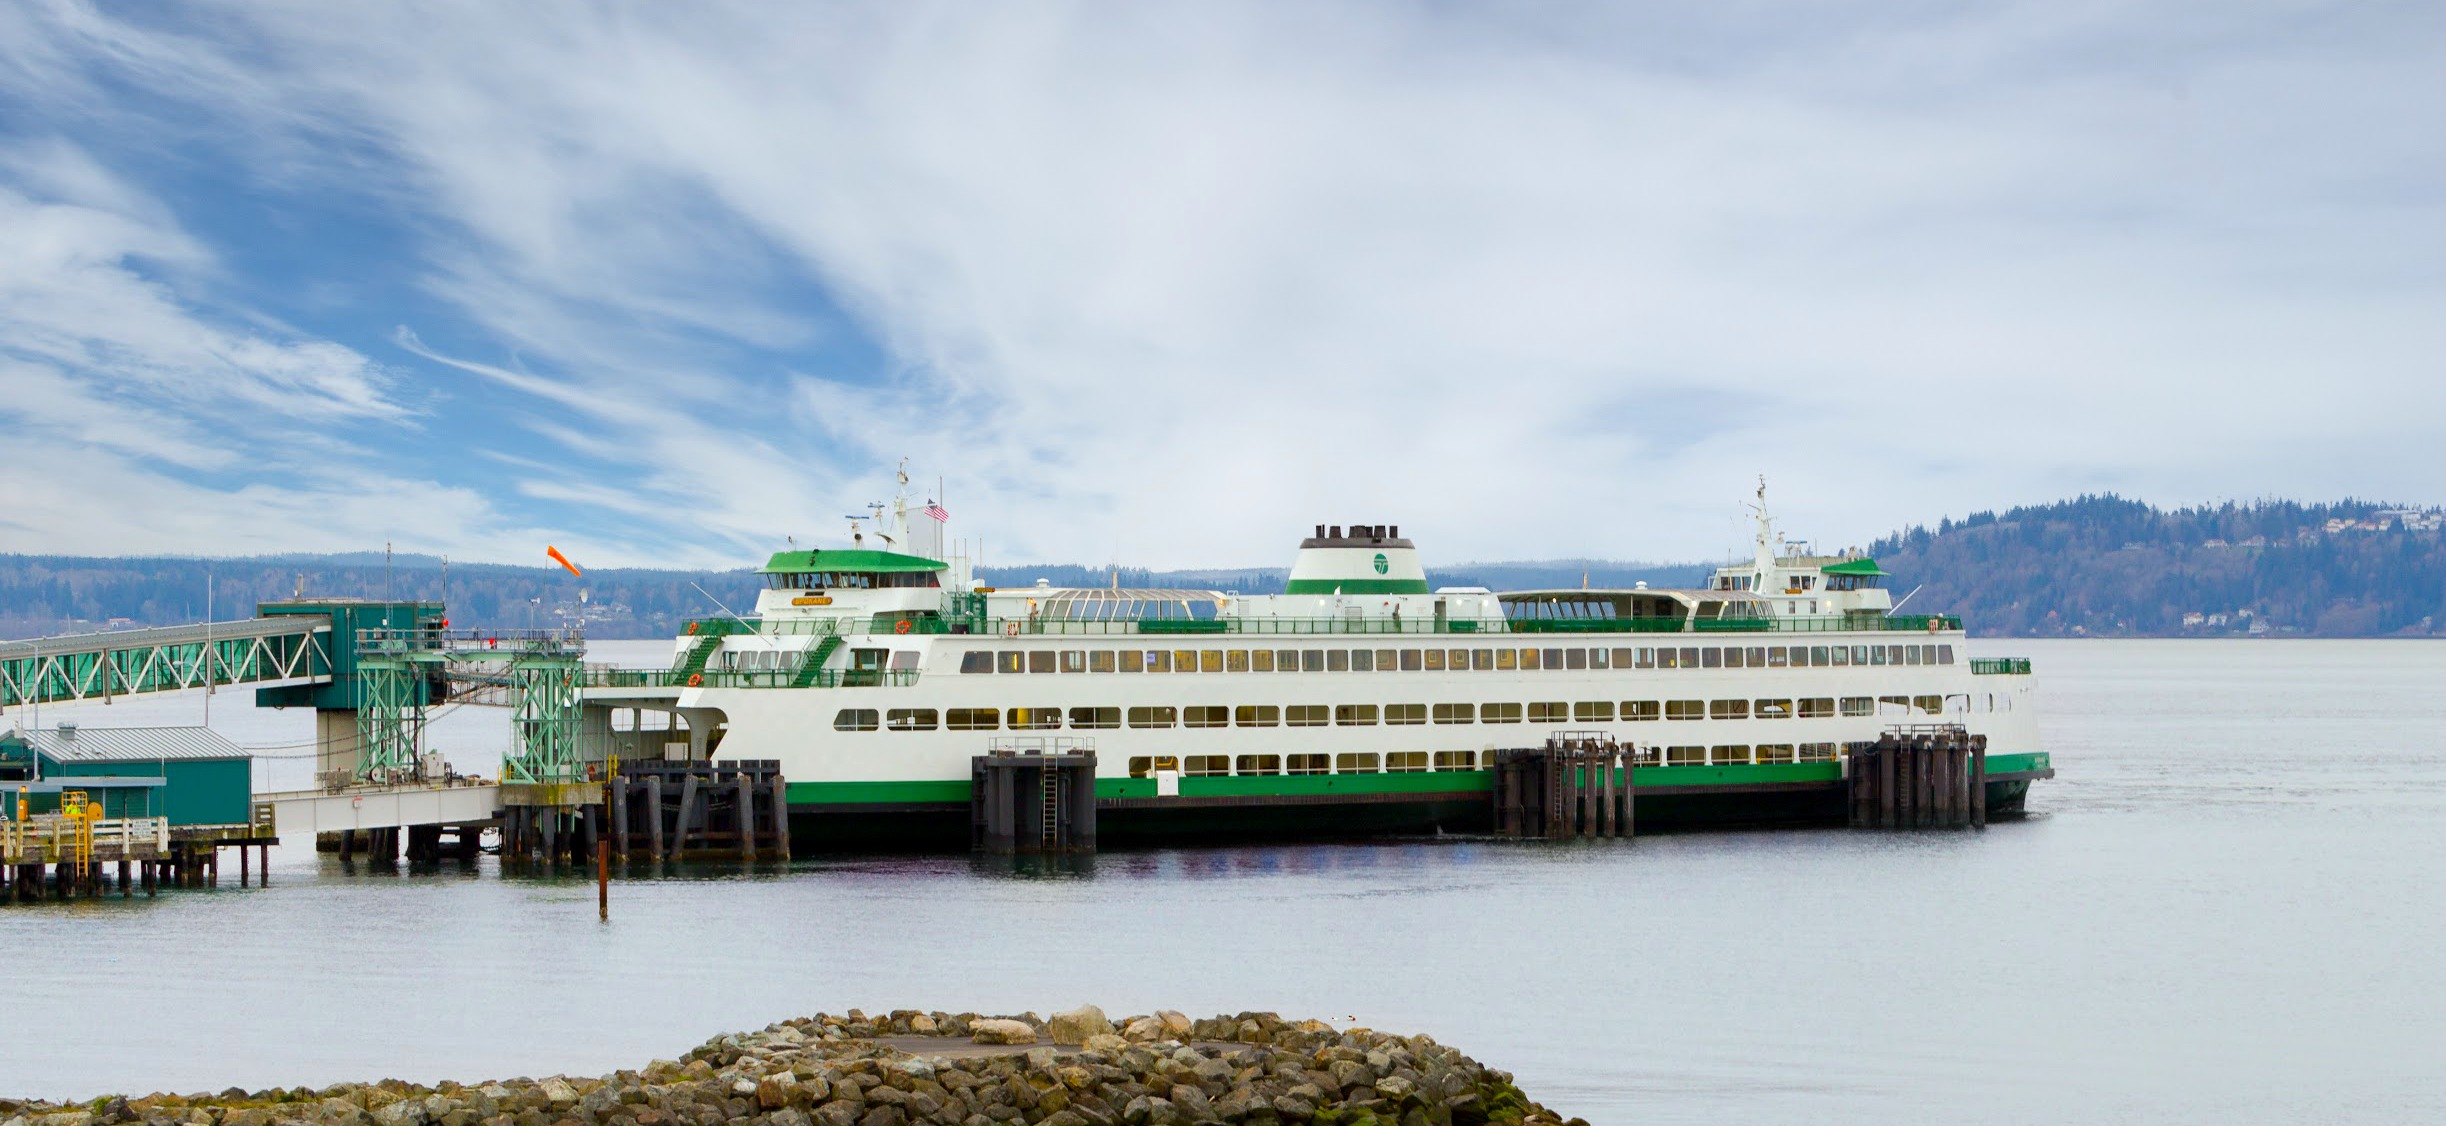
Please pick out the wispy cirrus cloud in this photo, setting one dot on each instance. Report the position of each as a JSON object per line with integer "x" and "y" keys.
{"x": 1179, "y": 281}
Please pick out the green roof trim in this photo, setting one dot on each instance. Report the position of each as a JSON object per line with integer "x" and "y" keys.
{"x": 784, "y": 562}
{"x": 1355, "y": 586}
{"x": 1853, "y": 567}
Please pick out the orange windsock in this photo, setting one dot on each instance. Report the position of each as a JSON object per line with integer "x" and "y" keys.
{"x": 563, "y": 560}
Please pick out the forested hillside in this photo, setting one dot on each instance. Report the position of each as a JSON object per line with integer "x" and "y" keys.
{"x": 2103, "y": 565}
{"x": 2097, "y": 565}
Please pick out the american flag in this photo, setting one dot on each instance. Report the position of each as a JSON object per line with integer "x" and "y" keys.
{"x": 937, "y": 511}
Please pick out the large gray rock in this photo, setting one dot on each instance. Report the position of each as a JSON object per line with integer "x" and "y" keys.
{"x": 1001, "y": 1032}
{"x": 1074, "y": 1027}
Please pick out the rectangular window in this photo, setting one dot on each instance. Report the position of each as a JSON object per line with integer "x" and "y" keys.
{"x": 1777, "y": 657}
{"x": 1013, "y": 661}
{"x": 1455, "y": 713}
{"x": 1774, "y": 752}
{"x": 1641, "y": 709}
{"x": 910, "y": 719}
{"x": 1313, "y": 660}
{"x": 1074, "y": 660}
{"x": 1817, "y": 707}
{"x": 977, "y": 660}
{"x": 1361, "y": 762}
{"x": 1310, "y": 764}
{"x": 1153, "y": 716}
{"x": 1305, "y": 715}
{"x": 1774, "y": 709}
{"x": 1944, "y": 654}
{"x": 1928, "y": 705}
{"x": 1036, "y": 719}
{"x": 1206, "y": 715}
{"x": 1406, "y": 762}
{"x": 1593, "y": 711}
{"x": 1040, "y": 660}
{"x": 1685, "y": 709}
{"x": 1549, "y": 711}
{"x": 1690, "y": 657}
{"x": 1596, "y": 659}
{"x": 1728, "y": 709}
{"x": 1210, "y": 660}
{"x": 1235, "y": 660}
{"x": 1206, "y": 766}
{"x": 1363, "y": 660}
{"x": 1184, "y": 660}
{"x": 1387, "y": 660}
{"x": 1646, "y": 659}
{"x": 1261, "y": 661}
{"x": 1859, "y": 654}
{"x": 1574, "y": 658}
{"x": 1481, "y": 660}
{"x": 1893, "y": 705}
{"x": 1100, "y": 660}
{"x": 855, "y": 719}
{"x": 1499, "y": 713}
{"x": 1816, "y": 752}
{"x": 1133, "y": 660}
{"x": 1405, "y": 714}
{"x": 1893, "y": 654}
{"x": 1411, "y": 660}
{"x": 1337, "y": 660}
{"x": 1842, "y": 655}
{"x": 1159, "y": 660}
{"x": 1711, "y": 658}
{"x": 1754, "y": 657}
{"x": 1354, "y": 715}
{"x": 1507, "y": 659}
{"x": 1257, "y": 764}
{"x": 1817, "y": 656}
{"x": 1910, "y": 654}
{"x": 1095, "y": 719}
{"x": 1287, "y": 660}
{"x": 1456, "y": 760}
{"x": 1259, "y": 715}
{"x": 1859, "y": 705}
{"x": 1435, "y": 663}
{"x": 1554, "y": 659}
{"x": 1622, "y": 658}
{"x": 1732, "y": 658}
{"x": 973, "y": 719}
{"x": 1685, "y": 756}
{"x": 1729, "y": 755}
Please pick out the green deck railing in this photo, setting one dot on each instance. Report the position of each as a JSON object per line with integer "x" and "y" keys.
{"x": 2000, "y": 666}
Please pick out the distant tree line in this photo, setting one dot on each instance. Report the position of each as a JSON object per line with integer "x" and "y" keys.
{"x": 2104, "y": 565}
{"x": 2095, "y": 565}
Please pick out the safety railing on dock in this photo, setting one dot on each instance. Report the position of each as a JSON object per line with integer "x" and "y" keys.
{"x": 55, "y": 838}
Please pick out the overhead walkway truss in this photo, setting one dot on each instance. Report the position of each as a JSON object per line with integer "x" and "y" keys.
{"x": 99, "y": 666}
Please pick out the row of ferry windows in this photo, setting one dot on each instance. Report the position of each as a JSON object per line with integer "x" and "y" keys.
{"x": 1394, "y": 715}
{"x": 1454, "y": 660}
{"x": 1419, "y": 762}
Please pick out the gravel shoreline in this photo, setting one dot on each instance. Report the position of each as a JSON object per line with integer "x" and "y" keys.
{"x": 909, "y": 1068}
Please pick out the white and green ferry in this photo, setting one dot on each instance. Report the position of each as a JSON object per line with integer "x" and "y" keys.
{"x": 1359, "y": 700}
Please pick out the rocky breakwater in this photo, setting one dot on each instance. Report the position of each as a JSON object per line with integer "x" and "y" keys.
{"x": 908, "y": 1068}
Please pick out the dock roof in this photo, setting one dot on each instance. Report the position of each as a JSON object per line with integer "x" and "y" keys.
{"x": 131, "y": 744}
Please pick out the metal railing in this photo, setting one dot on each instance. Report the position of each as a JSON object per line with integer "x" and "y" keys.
{"x": 1165, "y": 627}
{"x": 2000, "y": 666}
{"x": 599, "y": 677}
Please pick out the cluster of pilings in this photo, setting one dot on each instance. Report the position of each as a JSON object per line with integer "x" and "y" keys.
{"x": 1919, "y": 778}
{"x": 191, "y": 865}
{"x": 1578, "y": 784}
{"x": 423, "y": 843}
{"x": 666, "y": 809}
{"x": 1032, "y": 803}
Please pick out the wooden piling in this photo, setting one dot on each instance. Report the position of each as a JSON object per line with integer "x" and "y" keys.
{"x": 745, "y": 816}
{"x": 1978, "y": 781}
{"x": 653, "y": 818}
{"x": 685, "y": 821}
{"x": 616, "y": 799}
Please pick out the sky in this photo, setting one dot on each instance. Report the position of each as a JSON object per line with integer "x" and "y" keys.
{"x": 1168, "y": 284}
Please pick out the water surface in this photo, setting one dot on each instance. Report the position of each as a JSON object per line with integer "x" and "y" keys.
{"x": 2225, "y": 909}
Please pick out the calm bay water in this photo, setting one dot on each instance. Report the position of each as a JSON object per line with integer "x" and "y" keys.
{"x": 2227, "y": 908}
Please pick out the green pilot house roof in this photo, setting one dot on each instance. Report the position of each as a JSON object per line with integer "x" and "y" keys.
{"x": 855, "y": 560}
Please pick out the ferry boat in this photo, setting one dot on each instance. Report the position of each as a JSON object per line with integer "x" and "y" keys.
{"x": 1359, "y": 700}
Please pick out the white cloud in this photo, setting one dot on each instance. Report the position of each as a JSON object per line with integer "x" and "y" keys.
{"x": 1191, "y": 279}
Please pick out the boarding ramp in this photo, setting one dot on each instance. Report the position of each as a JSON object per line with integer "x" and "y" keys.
{"x": 266, "y": 651}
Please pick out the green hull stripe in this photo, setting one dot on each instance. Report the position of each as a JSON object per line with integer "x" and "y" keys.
{"x": 1462, "y": 782}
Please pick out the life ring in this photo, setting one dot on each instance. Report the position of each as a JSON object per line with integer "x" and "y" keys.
{"x": 1010, "y": 629}
{"x": 695, "y": 679}
{"x": 692, "y": 626}
{"x": 901, "y": 626}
